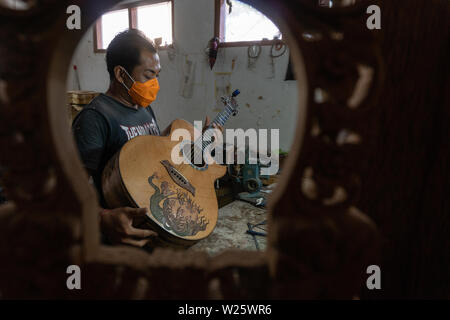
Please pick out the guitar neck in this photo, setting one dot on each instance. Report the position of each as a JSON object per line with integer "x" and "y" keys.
{"x": 230, "y": 109}
{"x": 222, "y": 117}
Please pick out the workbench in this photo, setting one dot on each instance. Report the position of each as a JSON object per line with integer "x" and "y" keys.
{"x": 231, "y": 228}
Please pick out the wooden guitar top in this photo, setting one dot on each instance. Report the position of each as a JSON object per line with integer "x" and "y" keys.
{"x": 180, "y": 198}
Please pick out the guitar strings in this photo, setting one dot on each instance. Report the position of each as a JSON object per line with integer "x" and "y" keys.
{"x": 220, "y": 119}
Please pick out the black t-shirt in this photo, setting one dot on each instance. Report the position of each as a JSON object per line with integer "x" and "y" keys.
{"x": 103, "y": 127}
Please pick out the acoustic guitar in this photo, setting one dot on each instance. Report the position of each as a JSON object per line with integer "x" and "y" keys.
{"x": 180, "y": 196}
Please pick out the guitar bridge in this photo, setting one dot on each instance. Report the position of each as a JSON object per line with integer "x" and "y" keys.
{"x": 178, "y": 178}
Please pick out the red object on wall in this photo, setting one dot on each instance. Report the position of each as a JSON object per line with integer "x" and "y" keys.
{"x": 213, "y": 48}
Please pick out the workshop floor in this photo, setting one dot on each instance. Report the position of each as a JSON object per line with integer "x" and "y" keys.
{"x": 230, "y": 231}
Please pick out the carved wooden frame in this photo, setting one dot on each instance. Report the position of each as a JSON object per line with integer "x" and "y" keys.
{"x": 319, "y": 243}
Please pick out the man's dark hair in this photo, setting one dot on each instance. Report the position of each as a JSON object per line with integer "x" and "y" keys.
{"x": 125, "y": 50}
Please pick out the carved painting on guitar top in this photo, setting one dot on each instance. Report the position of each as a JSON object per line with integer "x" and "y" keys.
{"x": 175, "y": 210}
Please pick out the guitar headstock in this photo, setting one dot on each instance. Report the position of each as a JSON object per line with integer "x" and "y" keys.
{"x": 231, "y": 102}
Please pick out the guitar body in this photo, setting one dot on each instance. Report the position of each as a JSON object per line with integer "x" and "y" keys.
{"x": 181, "y": 199}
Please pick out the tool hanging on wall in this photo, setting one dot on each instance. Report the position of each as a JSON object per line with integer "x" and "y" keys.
{"x": 222, "y": 85}
{"x": 188, "y": 78}
{"x": 290, "y": 71}
{"x": 276, "y": 51}
{"x": 213, "y": 48}
{"x": 171, "y": 52}
{"x": 253, "y": 53}
{"x": 77, "y": 77}
{"x": 230, "y": 6}
{"x": 233, "y": 63}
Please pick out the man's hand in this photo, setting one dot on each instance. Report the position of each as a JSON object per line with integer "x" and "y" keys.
{"x": 116, "y": 225}
{"x": 215, "y": 125}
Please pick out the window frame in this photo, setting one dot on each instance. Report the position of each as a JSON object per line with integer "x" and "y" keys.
{"x": 132, "y": 21}
{"x": 219, "y": 26}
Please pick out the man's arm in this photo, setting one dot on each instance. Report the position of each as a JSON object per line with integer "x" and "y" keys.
{"x": 90, "y": 133}
{"x": 207, "y": 123}
{"x": 116, "y": 224}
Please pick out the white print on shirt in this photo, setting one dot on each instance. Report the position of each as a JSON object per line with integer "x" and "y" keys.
{"x": 141, "y": 130}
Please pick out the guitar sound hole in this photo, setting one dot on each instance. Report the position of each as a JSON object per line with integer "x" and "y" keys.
{"x": 193, "y": 155}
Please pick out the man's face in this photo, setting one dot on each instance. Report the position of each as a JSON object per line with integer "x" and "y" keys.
{"x": 148, "y": 68}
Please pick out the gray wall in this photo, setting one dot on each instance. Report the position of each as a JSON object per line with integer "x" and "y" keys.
{"x": 265, "y": 103}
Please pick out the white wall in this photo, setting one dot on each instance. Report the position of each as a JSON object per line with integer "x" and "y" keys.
{"x": 265, "y": 103}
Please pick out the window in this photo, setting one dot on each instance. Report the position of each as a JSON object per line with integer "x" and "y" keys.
{"x": 111, "y": 24}
{"x": 153, "y": 18}
{"x": 244, "y": 25}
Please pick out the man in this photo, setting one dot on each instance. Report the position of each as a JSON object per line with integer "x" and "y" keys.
{"x": 115, "y": 117}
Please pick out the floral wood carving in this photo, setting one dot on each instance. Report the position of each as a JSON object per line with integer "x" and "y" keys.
{"x": 319, "y": 243}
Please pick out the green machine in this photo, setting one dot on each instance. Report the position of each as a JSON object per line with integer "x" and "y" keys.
{"x": 247, "y": 183}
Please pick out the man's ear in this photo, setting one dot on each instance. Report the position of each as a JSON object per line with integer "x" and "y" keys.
{"x": 118, "y": 74}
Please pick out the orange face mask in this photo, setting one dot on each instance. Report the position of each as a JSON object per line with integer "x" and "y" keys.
{"x": 143, "y": 93}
